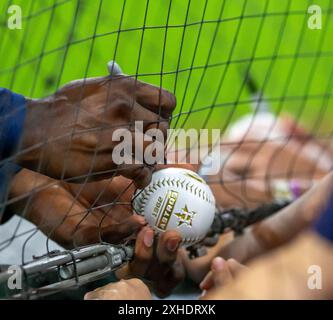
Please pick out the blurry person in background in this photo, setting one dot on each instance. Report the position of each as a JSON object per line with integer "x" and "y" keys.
{"x": 301, "y": 269}
{"x": 268, "y": 234}
{"x": 264, "y": 157}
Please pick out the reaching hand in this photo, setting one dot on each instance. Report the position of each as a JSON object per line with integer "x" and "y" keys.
{"x": 156, "y": 260}
{"x": 222, "y": 273}
{"x": 76, "y": 215}
{"x": 69, "y": 134}
{"x": 131, "y": 289}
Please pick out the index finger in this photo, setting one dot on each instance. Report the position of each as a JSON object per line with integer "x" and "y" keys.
{"x": 167, "y": 247}
{"x": 156, "y": 99}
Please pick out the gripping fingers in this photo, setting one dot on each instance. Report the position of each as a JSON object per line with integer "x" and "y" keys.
{"x": 167, "y": 247}
{"x": 119, "y": 231}
{"x": 143, "y": 255}
{"x": 220, "y": 275}
{"x": 156, "y": 99}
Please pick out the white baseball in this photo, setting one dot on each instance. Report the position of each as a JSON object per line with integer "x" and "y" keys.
{"x": 177, "y": 199}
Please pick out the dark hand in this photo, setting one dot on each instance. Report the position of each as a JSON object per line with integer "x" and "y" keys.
{"x": 156, "y": 260}
{"x": 76, "y": 215}
{"x": 69, "y": 134}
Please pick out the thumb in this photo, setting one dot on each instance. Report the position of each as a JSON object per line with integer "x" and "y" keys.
{"x": 219, "y": 275}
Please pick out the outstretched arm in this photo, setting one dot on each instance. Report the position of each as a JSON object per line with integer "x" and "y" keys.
{"x": 270, "y": 233}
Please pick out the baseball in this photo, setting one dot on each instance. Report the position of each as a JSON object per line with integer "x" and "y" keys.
{"x": 177, "y": 199}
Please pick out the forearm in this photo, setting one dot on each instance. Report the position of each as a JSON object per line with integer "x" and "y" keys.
{"x": 281, "y": 227}
{"x": 22, "y": 188}
{"x": 286, "y": 271}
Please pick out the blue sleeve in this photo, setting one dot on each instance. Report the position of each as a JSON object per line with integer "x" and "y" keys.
{"x": 12, "y": 114}
{"x": 324, "y": 225}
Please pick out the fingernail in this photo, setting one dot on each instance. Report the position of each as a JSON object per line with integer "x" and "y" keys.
{"x": 218, "y": 264}
{"x": 173, "y": 244}
{"x": 148, "y": 238}
{"x": 202, "y": 284}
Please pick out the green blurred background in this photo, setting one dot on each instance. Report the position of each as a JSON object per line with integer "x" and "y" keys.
{"x": 200, "y": 50}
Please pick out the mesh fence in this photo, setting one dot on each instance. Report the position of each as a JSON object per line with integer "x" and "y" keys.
{"x": 252, "y": 68}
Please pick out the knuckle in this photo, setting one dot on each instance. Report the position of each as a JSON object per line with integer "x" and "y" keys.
{"x": 167, "y": 259}
{"x": 122, "y": 283}
{"x": 178, "y": 277}
{"x": 142, "y": 176}
{"x": 126, "y": 84}
{"x": 120, "y": 102}
{"x": 168, "y": 99}
{"x": 136, "y": 282}
{"x": 88, "y": 296}
{"x": 142, "y": 259}
{"x": 120, "y": 107}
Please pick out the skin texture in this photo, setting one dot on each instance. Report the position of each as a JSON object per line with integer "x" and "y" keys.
{"x": 283, "y": 151}
{"x": 279, "y": 160}
{"x": 233, "y": 191}
{"x": 155, "y": 263}
{"x": 131, "y": 289}
{"x": 245, "y": 191}
{"x": 257, "y": 157}
{"x": 222, "y": 273}
{"x": 76, "y": 215}
{"x": 69, "y": 134}
{"x": 58, "y": 210}
{"x": 156, "y": 260}
{"x": 264, "y": 236}
{"x": 285, "y": 270}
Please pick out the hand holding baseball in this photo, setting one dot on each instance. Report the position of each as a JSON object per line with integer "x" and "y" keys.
{"x": 177, "y": 199}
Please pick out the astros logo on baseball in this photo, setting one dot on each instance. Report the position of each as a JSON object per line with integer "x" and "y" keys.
{"x": 177, "y": 199}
